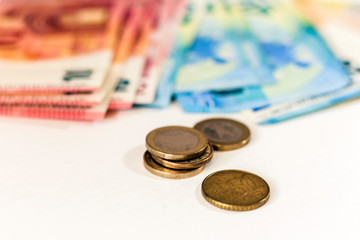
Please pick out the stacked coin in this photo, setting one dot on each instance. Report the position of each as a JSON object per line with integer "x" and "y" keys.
{"x": 224, "y": 134}
{"x": 177, "y": 152}
{"x": 182, "y": 152}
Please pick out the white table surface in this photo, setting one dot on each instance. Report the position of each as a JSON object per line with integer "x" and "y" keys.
{"x": 80, "y": 180}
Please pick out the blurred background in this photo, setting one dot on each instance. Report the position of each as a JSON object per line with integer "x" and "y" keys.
{"x": 277, "y": 60}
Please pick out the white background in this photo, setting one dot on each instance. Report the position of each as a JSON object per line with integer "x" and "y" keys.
{"x": 81, "y": 180}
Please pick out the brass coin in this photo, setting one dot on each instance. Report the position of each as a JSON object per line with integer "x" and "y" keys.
{"x": 224, "y": 134}
{"x": 161, "y": 171}
{"x": 235, "y": 190}
{"x": 176, "y": 143}
{"x": 187, "y": 164}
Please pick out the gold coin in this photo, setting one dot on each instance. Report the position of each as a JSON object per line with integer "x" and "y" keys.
{"x": 224, "y": 134}
{"x": 164, "y": 172}
{"x": 235, "y": 190}
{"x": 187, "y": 164}
{"x": 176, "y": 143}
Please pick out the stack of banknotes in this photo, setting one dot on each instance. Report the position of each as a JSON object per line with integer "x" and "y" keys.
{"x": 78, "y": 59}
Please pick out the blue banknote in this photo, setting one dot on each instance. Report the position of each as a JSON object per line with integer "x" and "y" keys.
{"x": 339, "y": 25}
{"x": 184, "y": 39}
{"x": 224, "y": 54}
{"x": 302, "y": 64}
{"x": 289, "y": 110}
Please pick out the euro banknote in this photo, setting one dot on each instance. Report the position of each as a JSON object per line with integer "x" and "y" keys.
{"x": 160, "y": 45}
{"x": 84, "y": 113}
{"x": 93, "y": 106}
{"x": 142, "y": 69}
{"x": 135, "y": 40}
{"x": 64, "y": 98}
{"x": 184, "y": 37}
{"x": 50, "y": 46}
{"x": 83, "y": 99}
{"x": 73, "y": 111}
{"x": 223, "y": 55}
{"x": 339, "y": 23}
{"x": 289, "y": 110}
{"x": 302, "y": 64}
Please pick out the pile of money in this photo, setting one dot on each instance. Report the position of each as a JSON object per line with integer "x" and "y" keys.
{"x": 339, "y": 24}
{"x": 78, "y": 59}
{"x": 177, "y": 152}
{"x": 181, "y": 152}
{"x": 289, "y": 51}
{"x": 309, "y": 48}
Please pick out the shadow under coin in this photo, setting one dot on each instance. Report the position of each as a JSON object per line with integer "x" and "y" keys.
{"x": 133, "y": 160}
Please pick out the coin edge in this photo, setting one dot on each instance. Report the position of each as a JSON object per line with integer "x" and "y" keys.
{"x": 161, "y": 161}
{"x": 191, "y": 173}
{"x": 185, "y": 155}
{"x": 231, "y": 207}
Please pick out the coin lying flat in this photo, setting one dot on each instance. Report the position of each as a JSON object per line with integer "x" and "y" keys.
{"x": 224, "y": 134}
{"x": 187, "y": 164}
{"x": 161, "y": 171}
{"x": 235, "y": 190}
{"x": 176, "y": 143}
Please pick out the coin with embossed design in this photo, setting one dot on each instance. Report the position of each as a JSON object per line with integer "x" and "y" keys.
{"x": 164, "y": 172}
{"x": 176, "y": 143}
{"x": 224, "y": 134}
{"x": 187, "y": 164}
{"x": 235, "y": 190}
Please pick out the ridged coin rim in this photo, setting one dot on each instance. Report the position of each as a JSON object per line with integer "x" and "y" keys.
{"x": 194, "y": 152}
{"x": 187, "y": 164}
{"x": 161, "y": 171}
{"x": 233, "y": 207}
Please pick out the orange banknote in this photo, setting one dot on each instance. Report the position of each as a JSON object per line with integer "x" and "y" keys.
{"x": 57, "y": 46}
{"x": 141, "y": 26}
{"x": 160, "y": 47}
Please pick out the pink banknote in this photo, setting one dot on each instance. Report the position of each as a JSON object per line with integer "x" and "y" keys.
{"x": 51, "y": 46}
{"x": 144, "y": 19}
{"x": 160, "y": 47}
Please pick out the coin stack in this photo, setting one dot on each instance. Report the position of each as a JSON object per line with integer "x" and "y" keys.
{"x": 176, "y": 152}
{"x": 182, "y": 152}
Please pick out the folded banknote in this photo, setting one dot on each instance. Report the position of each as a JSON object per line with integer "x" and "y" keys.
{"x": 224, "y": 54}
{"x": 84, "y": 113}
{"x": 159, "y": 49}
{"x": 130, "y": 56}
{"x": 302, "y": 64}
{"x": 82, "y": 99}
{"x": 339, "y": 23}
{"x": 51, "y": 46}
{"x": 135, "y": 23}
{"x": 184, "y": 38}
